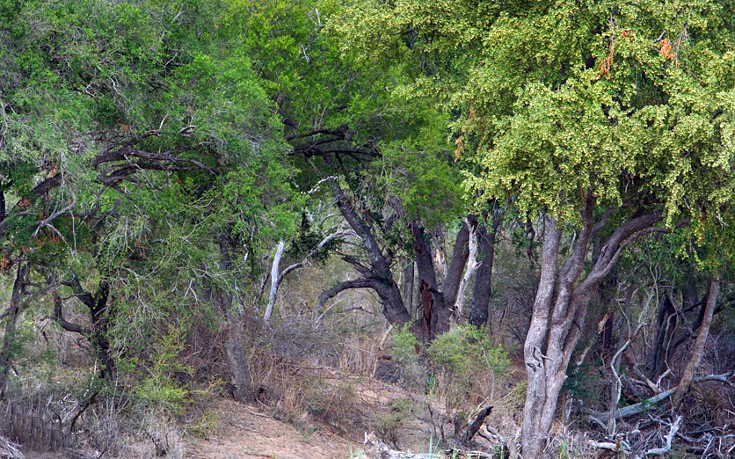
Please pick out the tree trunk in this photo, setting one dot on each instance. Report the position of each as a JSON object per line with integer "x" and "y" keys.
{"x": 533, "y": 435}
{"x": 698, "y": 351}
{"x": 234, "y": 342}
{"x": 408, "y": 285}
{"x": 666, "y": 319}
{"x": 435, "y": 314}
{"x": 469, "y": 271}
{"x": 460, "y": 255}
{"x": 377, "y": 274}
{"x": 561, "y": 302}
{"x": 275, "y": 281}
{"x": 479, "y": 312}
{"x": 14, "y": 310}
{"x": 100, "y": 315}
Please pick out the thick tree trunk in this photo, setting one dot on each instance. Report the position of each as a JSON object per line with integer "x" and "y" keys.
{"x": 377, "y": 274}
{"x": 479, "y": 312}
{"x": 460, "y": 255}
{"x": 533, "y": 435}
{"x": 435, "y": 314}
{"x": 561, "y": 301}
{"x": 14, "y": 310}
{"x": 698, "y": 351}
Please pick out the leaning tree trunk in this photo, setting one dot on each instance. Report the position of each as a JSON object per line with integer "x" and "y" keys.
{"x": 561, "y": 302}
{"x": 14, "y": 310}
{"x": 376, "y": 274}
{"x": 698, "y": 351}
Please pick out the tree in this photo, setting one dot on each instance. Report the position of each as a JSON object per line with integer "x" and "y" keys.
{"x": 154, "y": 133}
{"x": 383, "y": 156}
{"x": 586, "y": 115}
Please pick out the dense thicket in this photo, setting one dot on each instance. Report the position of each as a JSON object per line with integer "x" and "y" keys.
{"x": 165, "y": 165}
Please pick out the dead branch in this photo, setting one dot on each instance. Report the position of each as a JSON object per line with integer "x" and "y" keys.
{"x": 375, "y": 448}
{"x": 669, "y": 438}
{"x": 475, "y": 424}
{"x": 645, "y": 405}
{"x": 9, "y": 450}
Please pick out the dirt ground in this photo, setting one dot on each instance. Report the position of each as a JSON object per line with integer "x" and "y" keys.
{"x": 244, "y": 433}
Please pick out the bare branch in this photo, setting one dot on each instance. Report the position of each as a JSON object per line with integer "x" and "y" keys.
{"x": 647, "y": 404}
{"x": 669, "y": 438}
{"x": 346, "y": 285}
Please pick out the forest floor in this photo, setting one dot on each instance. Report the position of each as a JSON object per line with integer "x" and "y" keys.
{"x": 242, "y": 432}
{"x": 249, "y": 432}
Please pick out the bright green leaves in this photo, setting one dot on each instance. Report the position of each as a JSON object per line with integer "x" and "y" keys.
{"x": 219, "y": 103}
{"x": 425, "y": 183}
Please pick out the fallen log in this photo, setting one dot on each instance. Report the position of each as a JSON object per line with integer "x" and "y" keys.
{"x": 375, "y": 448}
{"x": 645, "y": 405}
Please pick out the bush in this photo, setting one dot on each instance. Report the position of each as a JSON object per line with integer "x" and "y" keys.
{"x": 459, "y": 368}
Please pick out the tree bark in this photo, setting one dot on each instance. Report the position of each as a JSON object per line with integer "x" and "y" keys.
{"x": 16, "y": 300}
{"x": 698, "y": 351}
{"x": 275, "y": 281}
{"x": 666, "y": 319}
{"x": 479, "y": 312}
{"x": 235, "y": 342}
{"x": 561, "y": 302}
{"x": 408, "y": 284}
{"x": 533, "y": 437}
{"x": 470, "y": 270}
{"x": 377, "y": 275}
{"x": 435, "y": 313}
{"x": 460, "y": 255}
{"x": 100, "y": 316}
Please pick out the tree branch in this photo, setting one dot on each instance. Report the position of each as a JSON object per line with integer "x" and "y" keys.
{"x": 58, "y": 316}
{"x": 346, "y": 285}
{"x": 647, "y": 404}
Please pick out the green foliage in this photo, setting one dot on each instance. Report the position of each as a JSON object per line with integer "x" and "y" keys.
{"x": 159, "y": 387}
{"x": 459, "y": 367}
{"x": 466, "y": 348}
{"x": 560, "y": 99}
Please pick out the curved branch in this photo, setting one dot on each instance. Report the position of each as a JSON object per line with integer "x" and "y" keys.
{"x": 347, "y": 285}
{"x": 58, "y": 316}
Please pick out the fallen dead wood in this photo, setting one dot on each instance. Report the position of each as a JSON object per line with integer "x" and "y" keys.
{"x": 375, "y": 448}
{"x": 645, "y": 405}
{"x": 474, "y": 425}
{"x": 9, "y": 450}
{"x": 669, "y": 438}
